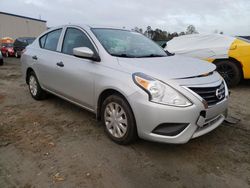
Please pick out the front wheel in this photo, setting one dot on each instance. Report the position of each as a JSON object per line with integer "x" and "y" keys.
{"x": 118, "y": 120}
{"x": 230, "y": 72}
{"x": 34, "y": 87}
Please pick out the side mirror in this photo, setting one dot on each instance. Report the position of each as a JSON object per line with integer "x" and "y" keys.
{"x": 85, "y": 52}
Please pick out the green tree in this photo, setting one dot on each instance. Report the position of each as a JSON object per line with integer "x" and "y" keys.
{"x": 181, "y": 33}
{"x": 191, "y": 30}
{"x": 139, "y": 30}
{"x": 149, "y": 32}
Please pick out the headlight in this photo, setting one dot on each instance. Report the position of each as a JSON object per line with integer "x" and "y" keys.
{"x": 160, "y": 92}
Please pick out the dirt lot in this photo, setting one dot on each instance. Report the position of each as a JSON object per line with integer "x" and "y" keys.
{"x": 53, "y": 143}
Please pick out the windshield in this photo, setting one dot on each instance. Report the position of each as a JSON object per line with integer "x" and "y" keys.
{"x": 244, "y": 39}
{"x": 7, "y": 44}
{"x": 123, "y": 43}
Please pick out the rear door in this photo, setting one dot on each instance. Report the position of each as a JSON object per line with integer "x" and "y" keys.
{"x": 46, "y": 57}
{"x": 74, "y": 76}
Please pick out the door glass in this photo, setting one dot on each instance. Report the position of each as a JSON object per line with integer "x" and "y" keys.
{"x": 52, "y": 40}
{"x": 42, "y": 41}
{"x": 75, "y": 38}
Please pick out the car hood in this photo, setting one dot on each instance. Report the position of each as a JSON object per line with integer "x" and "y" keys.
{"x": 165, "y": 68}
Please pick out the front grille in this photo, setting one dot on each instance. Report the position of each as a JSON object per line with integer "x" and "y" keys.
{"x": 211, "y": 95}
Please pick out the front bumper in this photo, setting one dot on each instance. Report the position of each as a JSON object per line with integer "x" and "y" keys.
{"x": 149, "y": 115}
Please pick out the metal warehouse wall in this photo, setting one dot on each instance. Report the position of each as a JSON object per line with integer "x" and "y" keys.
{"x": 15, "y": 26}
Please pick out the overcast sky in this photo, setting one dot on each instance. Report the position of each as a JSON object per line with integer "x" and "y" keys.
{"x": 230, "y": 16}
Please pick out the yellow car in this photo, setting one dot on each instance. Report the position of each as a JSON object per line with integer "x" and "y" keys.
{"x": 231, "y": 55}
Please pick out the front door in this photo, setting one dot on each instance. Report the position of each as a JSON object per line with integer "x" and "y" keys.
{"x": 74, "y": 76}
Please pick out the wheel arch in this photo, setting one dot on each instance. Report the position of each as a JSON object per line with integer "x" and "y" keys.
{"x": 28, "y": 71}
{"x": 106, "y": 93}
{"x": 235, "y": 61}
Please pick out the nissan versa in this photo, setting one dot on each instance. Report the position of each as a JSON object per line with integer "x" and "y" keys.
{"x": 128, "y": 81}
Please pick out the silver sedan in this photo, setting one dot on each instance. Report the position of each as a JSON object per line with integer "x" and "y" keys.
{"x": 129, "y": 82}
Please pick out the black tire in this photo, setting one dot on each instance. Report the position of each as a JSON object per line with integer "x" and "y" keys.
{"x": 230, "y": 71}
{"x": 131, "y": 133}
{"x": 1, "y": 62}
{"x": 40, "y": 94}
{"x": 16, "y": 55}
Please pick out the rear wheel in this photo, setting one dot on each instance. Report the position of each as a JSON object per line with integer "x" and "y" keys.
{"x": 7, "y": 54}
{"x": 230, "y": 72}
{"x": 35, "y": 89}
{"x": 118, "y": 120}
{"x": 1, "y": 62}
{"x": 16, "y": 54}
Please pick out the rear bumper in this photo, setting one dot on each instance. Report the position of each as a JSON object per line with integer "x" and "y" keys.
{"x": 19, "y": 51}
{"x": 11, "y": 53}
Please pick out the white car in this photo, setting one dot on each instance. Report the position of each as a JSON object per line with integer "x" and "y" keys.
{"x": 231, "y": 55}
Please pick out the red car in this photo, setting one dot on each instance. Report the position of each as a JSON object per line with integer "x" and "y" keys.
{"x": 7, "y": 49}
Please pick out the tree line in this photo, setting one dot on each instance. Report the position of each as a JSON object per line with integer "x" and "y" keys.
{"x": 161, "y": 35}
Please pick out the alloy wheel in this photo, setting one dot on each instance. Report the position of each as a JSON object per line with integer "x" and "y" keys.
{"x": 226, "y": 71}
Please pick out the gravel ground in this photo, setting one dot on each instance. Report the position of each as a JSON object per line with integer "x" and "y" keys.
{"x": 53, "y": 143}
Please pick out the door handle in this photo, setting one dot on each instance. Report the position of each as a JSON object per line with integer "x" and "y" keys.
{"x": 60, "y": 64}
{"x": 34, "y": 57}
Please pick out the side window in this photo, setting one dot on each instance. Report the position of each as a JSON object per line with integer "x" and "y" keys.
{"x": 75, "y": 38}
{"x": 52, "y": 39}
{"x": 42, "y": 41}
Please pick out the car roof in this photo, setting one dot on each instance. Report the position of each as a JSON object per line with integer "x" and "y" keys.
{"x": 85, "y": 26}
{"x": 202, "y": 36}
{"x": 187, "y": 43}
{"x": 25, "y": 38}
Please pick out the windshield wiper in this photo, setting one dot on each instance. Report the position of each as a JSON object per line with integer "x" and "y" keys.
{"x": 169, "y": 54}
{"x": 131, "y": 56}
{"x": 123, "y": 55}
{"x": 152, "y": 55}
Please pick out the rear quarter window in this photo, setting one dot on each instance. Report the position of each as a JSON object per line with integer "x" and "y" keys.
{"x": 42, "y": 41}
{"x": 50, "y": 40}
